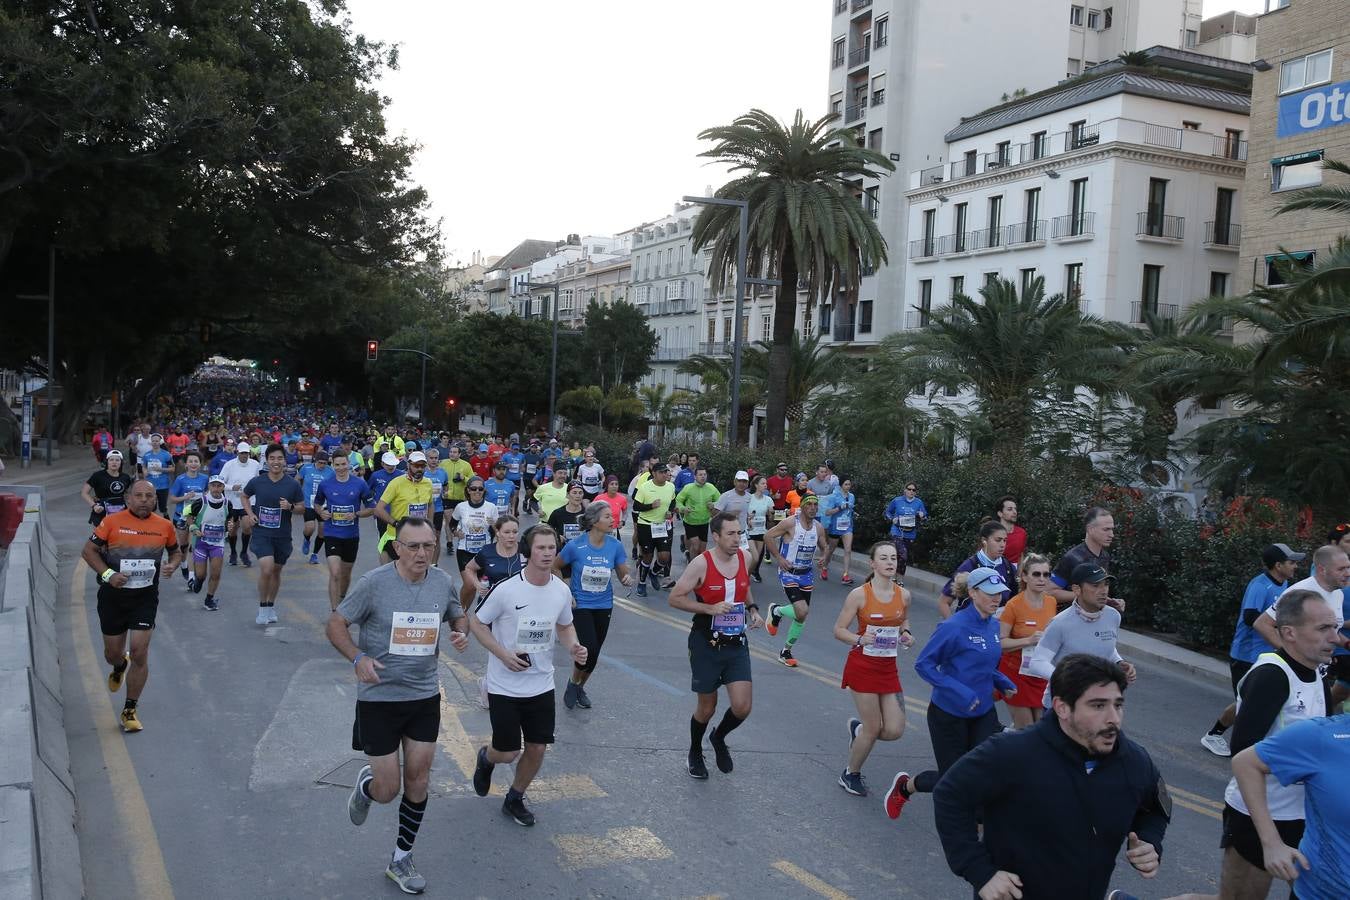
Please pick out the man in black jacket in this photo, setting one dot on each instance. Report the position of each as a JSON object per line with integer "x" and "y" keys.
{"x": 1057, "y": 800}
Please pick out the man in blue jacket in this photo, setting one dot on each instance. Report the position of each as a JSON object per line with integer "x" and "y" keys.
{"x": 1073, "y": 790}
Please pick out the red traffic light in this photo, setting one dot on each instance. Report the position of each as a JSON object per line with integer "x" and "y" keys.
{"x": 372, "y": 350}
{"x": 450, "y": 401}
{"x": 276, "y": 362}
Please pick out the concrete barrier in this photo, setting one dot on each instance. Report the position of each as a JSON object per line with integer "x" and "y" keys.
{"x": 39, "y": 849}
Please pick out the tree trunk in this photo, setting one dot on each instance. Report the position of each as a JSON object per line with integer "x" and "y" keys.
{"x": 780, "y": 354}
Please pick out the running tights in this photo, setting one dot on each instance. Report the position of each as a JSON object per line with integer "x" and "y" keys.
{"x": 592, "y": 627}
{"x": 953, "y": 737}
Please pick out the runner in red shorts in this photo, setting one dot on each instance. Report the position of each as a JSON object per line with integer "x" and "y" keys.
{"x": 874, "y": 621}
{"x": 1022, "y": 621}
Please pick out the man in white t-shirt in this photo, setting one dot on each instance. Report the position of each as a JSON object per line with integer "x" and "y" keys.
{"x": 237, "y": 473}
{"x": 1331, "y": 572}
{"x": 517, "y": 623}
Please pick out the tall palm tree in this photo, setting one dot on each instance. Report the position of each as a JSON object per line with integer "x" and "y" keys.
{"x": 709, "y": 401}
{"x": 663, "y": 408}
{"x": 812, "y": 367}
{"x": 1010, "y": 351}
{"x": 1159, "y": 376}
{"x": 803, "y": 184}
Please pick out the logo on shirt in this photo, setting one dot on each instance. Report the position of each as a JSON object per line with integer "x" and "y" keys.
{"x": 977, "y": 639}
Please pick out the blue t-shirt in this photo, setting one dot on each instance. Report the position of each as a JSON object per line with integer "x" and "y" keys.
{"x": 344, "y": 500}
{"x": 218, "y": 461}
{"x": 842, "y": 521}
{"x": 514, "y": 461}
{"x": 185, "y": 484}
{"x": 438, "y": 478}
{"x": 265, "y": 495}
{"x": 379, "y": 480}
{"x": 902, "y": 507}
{"x": 683, "y": 477}
{"x": 1316, "y": 754}
{"x": 158, "y": 465}
{"x": 310, "y": 475}
{"x": 499, "y": 493}
{"x": 292, "y": 462}
{"x": 330, "y": 443}
{"x": 495, "y": 567}
{"x": 591, "y": 570}
{"x": 1247, "y": 641}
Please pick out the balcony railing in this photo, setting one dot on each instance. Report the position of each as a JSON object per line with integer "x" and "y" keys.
{"x": 1229, "y": 148}
{"x": 1223, "y": 234}
{"x": 932, "y": 175}
{"x": 861, "y": 4}
{"x": 1154, "y": 224}
{"x": 1160, "y": 310}
{"x": 837, "y": 62}
{"x": 840, "y": 6}
{"x": 859, "y": 56}
{"x": 1027, "y": 232}
{"x": 917, "y": 318}
{"x": 842, "y": 332}
{"x": 1072, "y": 226}
{"x": 855, "y": 112}
{"x": 924, "y": 247}
{"x": 671, "y": 354}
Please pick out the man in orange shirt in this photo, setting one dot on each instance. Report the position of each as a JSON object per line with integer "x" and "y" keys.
{"x": 125, "y": 552}
{"x": 307, "y": 447}
{"x": 177, "y": 443}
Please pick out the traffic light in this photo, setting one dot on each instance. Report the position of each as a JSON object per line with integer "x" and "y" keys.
{"x": 372, "y": 351}
{"x": 276, "y": 362}
{"x": 450, "y": 402}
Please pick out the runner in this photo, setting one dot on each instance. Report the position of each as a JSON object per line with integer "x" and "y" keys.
{"x": 156, "y": 466}
{"x": 654, "y": 504}
{"x": 618, "y": 503}
{"x": 332, "y": 441}
{"x": 737, "y": 502}
{"x": 206, "y": 518}
{"x": 594, "y": 557}
{"x": 873, "y": 621}
{"x": 124, "y": 552}
{"x": 715, "y": 587}
{"x": 501, "y": 491}
{"x": 1022, "y": 623}
{"x": 407, "y": 495}
{"x": 1005, "y": 511}
{"x": 989, "y": 555}
{"x": 517, "y": 624}
{"x": 961, "y": 662}
{"x": 905, "y": 513}
{"x": 105, "y": 490}
{"x": 514, "y": 461}
{"x": 696, "y": 503}
{"x": 102, "y": 442}
{"x": 757, "y": 512}
{"x": 189, "y": 486}
{"x": 438, "y": 478}
{"x": 495, "y": 563}
{"x": 1330, "y": 576}
{"x": 553, "y": 493}
{"x": 779, "y": 484}
{"x": 237, "y": 473}
{"x": 794, "y": 496}
{"x": 1099, "y": 530}
{"x": 276, "y": 497}
{"x": 311, "y": 475}
{"x": 340, "y": 503}
{"x": 399, "y": 609}
{"x": 458, "y": 472}
{"x": 379, "y": 480}
{"x": 471, "y": 525}
{"x": 591, "y": 474}
{"x": 1088, "y": 625}
{"x": 566, "y": 519}
{"x": 824, "y": 483}
{"x": 177, "y": 445}
{"x": 793, "y": 543}
{"x": 838, "y": 516}
{"x": 532, "y": 462}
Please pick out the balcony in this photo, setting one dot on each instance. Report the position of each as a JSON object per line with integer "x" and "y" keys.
{"x": 670, "y": 354}
{"x": 1072, "y": 227}
{"x": 842, "y": 332}
{"x": 859, "y": 57}
{"x": 840, "y": 6}
{"x": 1160, "y": 310}
{"x": 1229, "y": 147}
{"x": 1032, "y": 232}
{"x": 917, "y": 318}
{"x": 837, "y": 62}
{"x": 1152, "y": 224}
{"x": 932, "y": 175}
{"x": 1223, "y": 235}
{"x": 859, "y": 5}
{"x": 855, "y": 112}
{"x": 672, "y": 308}
{"x": 720, "y": 348}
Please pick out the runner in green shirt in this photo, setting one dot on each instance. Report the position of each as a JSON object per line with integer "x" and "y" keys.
{"x": 694, "y": 503}
{"x": 653, "y": 501}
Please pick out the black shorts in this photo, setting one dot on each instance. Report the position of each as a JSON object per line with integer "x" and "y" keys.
{"x": 514, "y": 717}
{"x": 1236, "y": 669}
{"x": 462, "y": 558}
{"x": 647, "y": 542}
{"x": 311, "y": 515}
{"x": 234, "y": 514}
{"x": 162, "y": 500}
{"x": 381, "y": 725}
{"x": 696, "y": 531}
{"x": 796, "y": 592}
{"x": 1240, "y": 834}
{"x": 711, "y": 667}
{"x": 122, "y": 611}
{"x": 438, "y": 520}
{"x": 344, "y": 549}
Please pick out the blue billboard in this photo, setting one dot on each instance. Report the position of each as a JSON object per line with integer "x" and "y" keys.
{"x": 1314, "y": 109}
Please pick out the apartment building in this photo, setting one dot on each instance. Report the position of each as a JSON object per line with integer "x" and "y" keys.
{"x": 601, "y": 280}
{"x": 1299, "y": 117}
{"x": 531, "y": 284}
{"x": 497, "y": 282}
{"x": 669, "y": 286}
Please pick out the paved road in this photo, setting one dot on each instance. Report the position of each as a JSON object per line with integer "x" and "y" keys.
{"x": 238, "y": 785}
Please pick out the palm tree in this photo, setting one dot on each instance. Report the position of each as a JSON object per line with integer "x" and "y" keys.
{"x": 1011, "y": 351}
{"x": 709, "y": 402}
{"x": 663, "y": 409}
{"x": 803, "y": 184}
{"x": 1159, "y": 376}
{"x": 812, "y": 366}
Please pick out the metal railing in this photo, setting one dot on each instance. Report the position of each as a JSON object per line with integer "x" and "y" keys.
{"x": 671, "y": 354}
{"x": 1223, "y": 234}
{"x": 917, "y": 318}
{"x": 842, "y": 332}
{"x": 1160, "y": 310}
{"x": 861, "y": 4}
{"x": 1229, "y": 148}
{"x": 855, "y": 112}
{"x": 932, "y": 175}
{"x": 837, "y": 62}
{"x": 858, "y": 56}
{"x": 1072, "y": 225}
{"x": 1152, "y": 223}
{"x": 1027, "y": 232}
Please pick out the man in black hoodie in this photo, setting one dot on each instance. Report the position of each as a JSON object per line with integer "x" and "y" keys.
{"x": 1070, "y": 792}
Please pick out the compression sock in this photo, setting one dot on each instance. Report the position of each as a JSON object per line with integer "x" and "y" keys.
{"x": 786, "y": 611}
{"x": 318, "y": 545}
{"x": 409, "y": 821}
{"x": 1219, "y": 727}
{"x": 234, "y": 547}
{"x": 246, "y": 540}
{"x": 730, "y": 722}
{"x": 696, "y": 731}
{"x": 794, "y": 631}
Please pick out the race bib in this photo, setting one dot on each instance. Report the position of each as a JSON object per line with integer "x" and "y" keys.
{"x": 745, "y": 541}
{"x": 414, "y": 634}
{"x": 1024, "y": 667}
{"x": 757, "y": 522}
{"x": 113, "y": 506}
{"x": 780, "y": 514}
{"x": 570, "y": 530}
{"x": 843, "y": 523}
{"x": 140, "y": 573}
{"x": 907, "y": 521}
{"x": 269, "y": 516}
{"x": 732, "y": 622}
{"x": 530, "y": 468}
{"x": 417, "y": 509}
{"x": 475, "y": 540}
{"x": 660, "y": 529}
{"x": 342, "y": 514}
{"x": 885, "y": 640}
{"x": 213, "y": 534}
{"x": 513, "y": 469}
{"x": 307, "y": 457}
{"x": 153, "y": 466}
{"x": 594, "y": 579}
{"x": 534, "y": 635}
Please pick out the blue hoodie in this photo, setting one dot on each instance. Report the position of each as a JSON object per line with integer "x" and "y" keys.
{"x": 961, "y": 660}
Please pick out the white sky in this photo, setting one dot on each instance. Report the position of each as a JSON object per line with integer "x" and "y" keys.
{"x": 539, "y": 118}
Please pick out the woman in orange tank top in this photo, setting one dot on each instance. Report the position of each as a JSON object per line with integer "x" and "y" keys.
{"x": 874, "y": 621}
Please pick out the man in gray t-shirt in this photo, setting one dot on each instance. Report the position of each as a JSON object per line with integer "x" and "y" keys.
{"x": 400, "y": 609}
{"x": 825, "y": 482}
{"x": 1088, "y": 625}
{"x": 736, "y": 502}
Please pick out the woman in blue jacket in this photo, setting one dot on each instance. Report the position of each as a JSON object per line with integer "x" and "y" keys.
{"x": 961, "y": 662}
{"x": 988, "y": 555}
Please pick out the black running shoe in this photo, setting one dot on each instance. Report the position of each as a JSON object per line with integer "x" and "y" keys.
{"x": 719, "y": 745}
{"x": 211, "y": 603}
{"x": 697, "y": 767}
{"x": 482, "y": 774}
{"x": 516, "y": 810}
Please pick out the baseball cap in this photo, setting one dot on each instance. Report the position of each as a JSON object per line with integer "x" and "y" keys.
{"x": 389, "y": 459}
{"x": 987, "y": 580}
{"x": 112, "y": 453}
{"x": 215, "y": 479}
{"x": 242, "y": 447}
{"x": 742, "y": 475}
{"x": 417, "y": 456}
{"x": 1089, "y": 573}
{"x": 1278, "y": 553}
{"x": 482, "y": 448}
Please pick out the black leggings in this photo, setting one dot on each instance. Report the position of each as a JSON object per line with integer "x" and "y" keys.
{"x": 953, "y": 737}
{"x": 592, "y": 627}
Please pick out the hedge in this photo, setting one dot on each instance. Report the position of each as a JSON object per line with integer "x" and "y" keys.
{"x": 1179, "y": 576}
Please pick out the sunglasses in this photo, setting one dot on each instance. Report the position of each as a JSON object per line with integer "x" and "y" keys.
{"x": 476, "y": 490}
{"x": 1038, "y": 574}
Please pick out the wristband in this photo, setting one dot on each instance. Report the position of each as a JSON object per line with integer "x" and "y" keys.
{"x": 754, "y": 606}
{"x": 106, "y": 575}
{"x": 905, "y": 631}
{"x": 357, "y": 658}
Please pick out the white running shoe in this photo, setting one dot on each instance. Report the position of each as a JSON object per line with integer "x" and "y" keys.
{"x": 261, "y": 618}
{"x": 1216, "y": 744}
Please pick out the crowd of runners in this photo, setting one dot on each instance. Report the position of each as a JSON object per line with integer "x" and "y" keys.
{"x": 516, "y": 542}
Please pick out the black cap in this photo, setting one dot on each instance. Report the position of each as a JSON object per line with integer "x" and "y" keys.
{"x": 1089, "y": 573}
{"x": 1278, "y": 553}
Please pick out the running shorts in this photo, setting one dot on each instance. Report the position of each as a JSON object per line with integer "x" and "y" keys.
{"x": 517, "y": 717}
{"x": 344, "y": 549}
{"x": 647, "y": 542}
{"x": 696, "y": 531}
{"x": 1240, "y": 834}
{"x": 711, "y": 667}
{"x": 276, "y": 545}
{"x": 121, "y": 611}
{"x": 311, "y": 515}
{"x": 204, "y": 552}
{"x": 1236, "y": 669}
{"x": 381, "y": 725}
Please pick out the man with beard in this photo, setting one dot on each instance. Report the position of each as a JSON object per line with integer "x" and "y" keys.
{"x": 1082, "y": 790}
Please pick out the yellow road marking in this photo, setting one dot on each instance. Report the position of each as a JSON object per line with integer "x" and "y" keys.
{"x": 1194, "y": 798}
{"x": 809, "y": 881}
{"x": 150, "y": 877}
{"x": 584, "y": 851}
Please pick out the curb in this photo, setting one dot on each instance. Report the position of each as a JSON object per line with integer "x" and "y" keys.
{"x": 39, "y": 848}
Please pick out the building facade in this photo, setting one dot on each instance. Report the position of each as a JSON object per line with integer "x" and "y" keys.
{"x": 669, "y": 284}
{"x": 1299, "y": 118}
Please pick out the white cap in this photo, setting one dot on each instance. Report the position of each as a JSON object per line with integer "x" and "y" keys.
{"x": 215, "y": 479}
{"x": 242, "y": 447}
{"x": 389, "y": 459}
{"x": 742, "y": 475}
{"x": 416, "y": 456}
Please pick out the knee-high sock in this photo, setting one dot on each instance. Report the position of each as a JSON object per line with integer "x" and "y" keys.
{"x": 794, "y": 632}
{"x": 786, "y": 611}
{"x": 234, "y": 545}
{"x": 730, "y": 722}
{"x": 247, "y": 537}
{"x": 318, "y": 545}
{"x": 409, "y": 821}
{"x": 696, "y": 731}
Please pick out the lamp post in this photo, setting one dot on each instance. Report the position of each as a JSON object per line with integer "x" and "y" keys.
{"x": 50, "y": 297}
{"x": 553, "y": 364}
{"x": 422, "y": 394}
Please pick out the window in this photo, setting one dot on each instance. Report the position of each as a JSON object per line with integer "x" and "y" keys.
{"x": 837, "y": 104}
{"x": 1190, "y": 126}
{"x": 881, "y": 32}
{"x": 1073, "y": 283}
{"x": 681, "y": 262}
{"x": 970, "y": 162}
{"x": 838, "y": 53}
{"x": 826, "y": 318}
{"x": 929, "y": 231}
{"x": 1031, "y": 216}
{"x": 925, "y": 301}
{"x": 864, "y": 317}
{"x": 745, "y": 327}
{"x": 1232, "y": 147}
{"x": 1149, "y": 290}
{"x": 1038, "y": 145}
{"x": 1223, "y": 215}
{"x": 1305, "y": 71}
{"x": 959, "y": 238}
{"x": 1157, "y": 206}
{"x": 1192, "y": 38}
{"x": 1076, "y": 15}
{"x": 990, "y": 279}
{"x": 1078, "y": 206}
{"x": 958, "y": 285}
{"x": 1218, "y": 284}
{"x": 874, "y": 139}
{"x": 879, "y": 90}
{"x": 1003, "y": 152}
{"x": 726, "y": 329}
{"x": 1288, "y": 173}
{"x": 1074, "y": 67}
{"x": 1079, "y": 136}
{"x": 1106, "y": 17}
{"x": 1026, "y": 276}
{"x": 1280, "y": 266}
{"x": 995, "y": 221}
{"x": 1094, "y": 19}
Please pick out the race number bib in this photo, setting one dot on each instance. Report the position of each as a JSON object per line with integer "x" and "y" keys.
{"x": 1024, "y": 667}
{"x": 570, "y": 530}
{"x": 414, "y": 634}
{"x": 885, "y": 640}
{"x": 513, "y": 469}
{"x": 844, "y": 522}
{"x": 113, "y": 506}
{"x": 342, "y": 514}
{"x": 732, "y": 622}
{"x": 757, "y": 522}
{"x": 534, "y": 635}
{"x": 140, "y": 573}
{"x": 213, "y": 534}
{"x": 530, "y": 468}
{"x": 745, "y": 541}
{"x": 907, "y": 521}
{"x": 269, "y": 516}
{"x": 418, "y": 510}
{"x": 153, "y": 466}
{"x": 475, "y": 540}
{"x": 780, "y": 514}
{"x": 594, "y": 579}
{"x": 660, "y": 529}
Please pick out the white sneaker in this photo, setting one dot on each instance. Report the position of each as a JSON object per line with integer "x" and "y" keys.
{"x": 1216, "y": 744}
{"x": 261, "y": 618}
{"x": 271, "y": 615}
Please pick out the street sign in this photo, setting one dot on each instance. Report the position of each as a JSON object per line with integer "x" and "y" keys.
{"x": 26, "y": 436}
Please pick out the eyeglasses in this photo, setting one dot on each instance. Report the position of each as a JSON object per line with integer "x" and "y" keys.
{"x": 419, "y": 548}
{"x": 476, "y": 490}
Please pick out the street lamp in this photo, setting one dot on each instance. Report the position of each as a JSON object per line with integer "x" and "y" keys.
{"x": 422, "y": 392}
{"x": 741, "y": 281}
{"x": 553, "y": 364}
